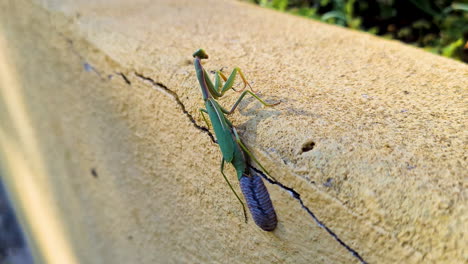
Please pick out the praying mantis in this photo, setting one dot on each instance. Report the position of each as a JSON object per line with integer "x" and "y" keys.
{"x": 233, "y": 150}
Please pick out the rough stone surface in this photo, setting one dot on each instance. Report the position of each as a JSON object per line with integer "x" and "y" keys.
{"x": 370, "y": 132}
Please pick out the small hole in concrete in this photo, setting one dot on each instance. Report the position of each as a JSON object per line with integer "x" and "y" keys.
{"x": 308, "y": 146}
{"x": 94, "y": 173}
{"x": 328, "y": 183}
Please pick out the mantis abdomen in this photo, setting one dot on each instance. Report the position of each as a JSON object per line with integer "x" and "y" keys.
{"x": 258, "y": 201}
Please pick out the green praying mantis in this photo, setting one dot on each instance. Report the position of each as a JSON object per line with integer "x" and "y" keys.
{"x": 232, "y": 148}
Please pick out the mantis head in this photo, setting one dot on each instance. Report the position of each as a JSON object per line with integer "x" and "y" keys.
{"x": 201, "y": 54}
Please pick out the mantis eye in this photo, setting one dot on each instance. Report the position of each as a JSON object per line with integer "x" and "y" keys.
{"x": 200, "y": 54}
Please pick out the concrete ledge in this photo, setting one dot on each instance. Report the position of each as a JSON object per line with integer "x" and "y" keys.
{"x": 106, "y": 163}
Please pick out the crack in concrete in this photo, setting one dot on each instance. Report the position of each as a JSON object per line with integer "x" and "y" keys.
{"x": 179, "y": 102}
{"x": 297, "y": 196}
{"x": 124, "y": 77}
{"x": 293, "y": 193}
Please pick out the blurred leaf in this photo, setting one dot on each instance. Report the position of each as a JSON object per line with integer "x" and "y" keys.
{"x": 429, "y": 38}
{"x": 422, "y": 23}
{"x": 460, "y": 6}
{"x": 373, "y": 30}
{"x": 349, "y": 8}
{"x": 404, "y": 32}
{"x": 280, "y": 4}
{"x": 324, "y": 2}
{"x": 386, "y": 12}
{"x": 425, "y": 6}
{"x": 264, "y": 3}
{"x": 354, "y": 23}
{"x": 304, "y": 11}
{"x": 334, "y": 14}
{"x": 448, "y": 50}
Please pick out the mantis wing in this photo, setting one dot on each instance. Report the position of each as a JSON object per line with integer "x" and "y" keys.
{"x": 222, "y": 129}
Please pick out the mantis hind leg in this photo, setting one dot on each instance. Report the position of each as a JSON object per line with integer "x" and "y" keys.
{"x": 232, "y": 189}
{"x": 246, "y": 151}
{"x": 242, "y": 97}
{"x": 236, "y": 104}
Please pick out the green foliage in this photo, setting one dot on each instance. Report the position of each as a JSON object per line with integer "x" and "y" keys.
{"x": 439, "y": 26}
{"x": 448, "y": 50}
{"x": 280, "y": 5}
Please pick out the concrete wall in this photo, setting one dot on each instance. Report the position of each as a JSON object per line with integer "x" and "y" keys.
{"x": 105, "y": 165}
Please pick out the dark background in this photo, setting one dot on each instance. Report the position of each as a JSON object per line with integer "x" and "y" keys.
{"x": 13, "y": 248}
